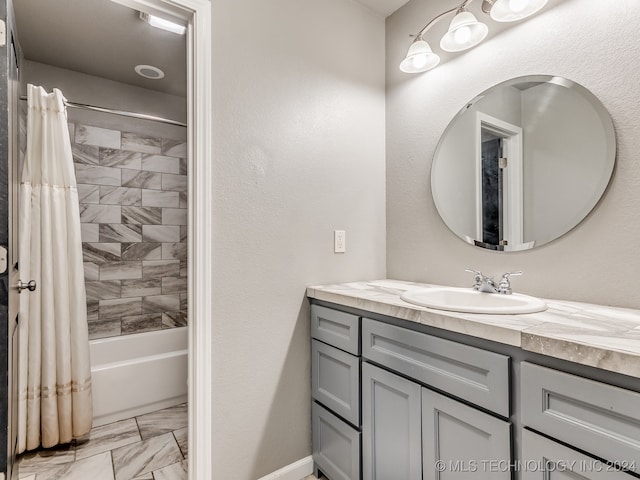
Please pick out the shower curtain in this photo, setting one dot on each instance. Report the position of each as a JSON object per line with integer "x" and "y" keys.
{"x": 55, "y": 403}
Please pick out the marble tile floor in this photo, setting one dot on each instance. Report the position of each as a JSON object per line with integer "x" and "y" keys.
{"x": 147, "y": 447}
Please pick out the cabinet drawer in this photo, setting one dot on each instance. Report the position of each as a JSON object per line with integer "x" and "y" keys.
{"x": 544, "y": 459}
{"x": 470, "y": 373}
{"x": 342, "y": 330}
{"x": 458, "y": 437}
{"x": 336, "y": 445}
{"x": 335, "y": 380}
{"x": 595, "y": 417}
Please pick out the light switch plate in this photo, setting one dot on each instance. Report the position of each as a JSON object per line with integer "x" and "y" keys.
{"x": 339, "y": 241}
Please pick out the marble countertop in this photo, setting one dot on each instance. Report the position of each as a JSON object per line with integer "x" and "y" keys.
{"x": 595, "y": 335}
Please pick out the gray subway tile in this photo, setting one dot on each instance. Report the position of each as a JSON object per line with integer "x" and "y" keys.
{"x": 109, "y": 157}
{"x": 176, "y": 251}
{"x": 120, "y": 270}
{"x": 184, "y": 200}
{"x": 174, "y": 319}
{"x": 142, "y": 215}
{"x": 100, "y": 213}
{"x": 119, "y": 232}
{"x": 141, "y": 323}
{"x": 174, "y": 216}
{"x": 184, "y": 268}
{"x": 184, "y": 301}
{"x": 102, "y": 290}
{"x": 141, "y": 143}
{"x": 172, "y": 182}
{"x": 142, "y": 179}
{"x": 161, "y": 163}
{"x": 174, "y": 148}
{"x": 92, "y": 310}
{"x": 91, "y": 272}
{"x": 160, "y": 233}
{"x": 84, "y": 154}
{"x": 100, "y": 137}
{"x": 183, "y": 166}
{"x": 160, "y": 303}
{"x": 101, "y": 252}
{"x": 160, "y": 268}
{"x": 103, "y": 328}
{"x": 98, "y": 175}
{"x": 159, "y": 198}
{"x": 89, "y": 232}
{"x": 184, "y": 233}
{"x": 120, "y": 196}
{"x": 88, "y": 193}
{"x": 174, "y": 285}
{"x": 142, "y": 251}
{"x": 141, "y": 288}
{"x": 120, "y": 307}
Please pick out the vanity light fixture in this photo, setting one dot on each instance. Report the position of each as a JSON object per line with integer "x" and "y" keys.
{"x": 465, "y": 31}
{"x": 163, "y": 24}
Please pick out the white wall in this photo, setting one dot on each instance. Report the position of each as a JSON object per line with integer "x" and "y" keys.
{"x": 592, "y": 43}
{"x": 565, "y": 161}
{"x": 298, "y": 152}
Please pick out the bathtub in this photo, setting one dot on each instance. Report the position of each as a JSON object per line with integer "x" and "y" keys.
{"x": 137, "y": 374}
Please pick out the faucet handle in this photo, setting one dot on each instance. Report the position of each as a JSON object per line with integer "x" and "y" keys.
{"x": 478, "y": 277}
{"x": 504, "y": 286}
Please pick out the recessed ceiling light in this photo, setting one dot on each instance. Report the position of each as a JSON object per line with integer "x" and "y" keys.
{"x": 163, "y": 24}
{"x": 149, "y": 71}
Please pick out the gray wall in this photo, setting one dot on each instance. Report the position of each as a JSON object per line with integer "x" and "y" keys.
{"x": 589, "y": 42}
{"x": 299, "y": 146}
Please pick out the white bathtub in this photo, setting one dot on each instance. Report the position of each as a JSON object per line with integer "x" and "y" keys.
{"x": 137, "y": 374}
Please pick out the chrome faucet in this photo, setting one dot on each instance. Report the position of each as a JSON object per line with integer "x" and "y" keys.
{"x": 485, "y": 284}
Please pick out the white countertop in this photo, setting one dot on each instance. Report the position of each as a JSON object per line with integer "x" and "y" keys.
{"x": 595, "y": 335}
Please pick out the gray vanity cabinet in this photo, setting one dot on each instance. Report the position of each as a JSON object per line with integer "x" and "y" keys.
{"x": 391, "y": 415}
{"x": 335, "y": 389}
{"x": 595, "y": 417}
{"x": 544, "y": 459}
{"x": 461, "y": 442}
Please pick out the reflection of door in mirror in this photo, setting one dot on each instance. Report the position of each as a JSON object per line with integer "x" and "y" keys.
{"x": 491, "y": 189}
{"x": 499, "y": 194}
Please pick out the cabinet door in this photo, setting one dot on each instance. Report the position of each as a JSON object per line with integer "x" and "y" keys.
{"x": 390, "y": 426}
{"x": 544, "y": 459}
{"x": 461, "y": 442}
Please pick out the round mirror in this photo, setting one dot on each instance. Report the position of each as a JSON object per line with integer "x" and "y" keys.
{"x": 523, "y": 163}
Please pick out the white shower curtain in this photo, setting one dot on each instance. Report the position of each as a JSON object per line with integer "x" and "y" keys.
{"x": 55, "y": 403}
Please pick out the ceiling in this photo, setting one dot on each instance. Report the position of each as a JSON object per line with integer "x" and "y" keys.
{"x": 106, "y": 39}
{"x": 383, "y": 7}
{"x": 101, "y": 38}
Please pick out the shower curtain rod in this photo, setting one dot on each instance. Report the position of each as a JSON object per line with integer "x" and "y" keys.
{"x": 141, "y": 116}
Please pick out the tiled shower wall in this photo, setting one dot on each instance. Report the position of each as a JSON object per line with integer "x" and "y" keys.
{"x": 133, "y": 209}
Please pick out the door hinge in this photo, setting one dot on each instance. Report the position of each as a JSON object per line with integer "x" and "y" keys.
{"x": 502, "y": 162}
{"x": 3, "y": 33}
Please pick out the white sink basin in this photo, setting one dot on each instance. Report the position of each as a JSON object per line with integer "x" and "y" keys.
{"x": 467, "y": 300}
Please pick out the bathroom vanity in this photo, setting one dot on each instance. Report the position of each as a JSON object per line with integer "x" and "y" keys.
{"x": 405, "y": 392}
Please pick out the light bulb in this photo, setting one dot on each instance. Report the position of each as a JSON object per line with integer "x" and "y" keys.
{"x": 419, "y": 61}
{"x": 517, "y": 5}
{"x": 462, "y": 35}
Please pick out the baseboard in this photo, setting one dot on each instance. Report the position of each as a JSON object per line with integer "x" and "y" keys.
{"x": 294, "y": 471}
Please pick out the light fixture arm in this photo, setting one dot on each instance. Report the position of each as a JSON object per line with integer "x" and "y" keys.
{"x": 443, "y": 14}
